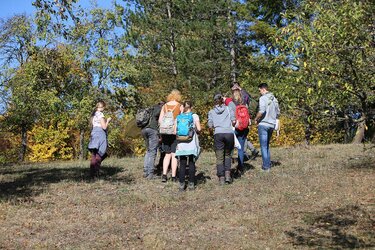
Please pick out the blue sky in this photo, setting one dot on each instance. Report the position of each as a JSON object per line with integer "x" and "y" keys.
{"x": 8, "y": 8}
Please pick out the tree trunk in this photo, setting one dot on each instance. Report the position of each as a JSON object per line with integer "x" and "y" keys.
{"x": 232, "y": 41}
{"x": 81, "y": 144}
{"x": 361, "y": 128}
{"x": 22, "y": 153}
{"x": 172, "y": 47}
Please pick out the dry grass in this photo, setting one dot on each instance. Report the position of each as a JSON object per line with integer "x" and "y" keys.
{"x": 318, "y": 197}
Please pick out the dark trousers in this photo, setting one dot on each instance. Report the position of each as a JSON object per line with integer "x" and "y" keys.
{"x": 224, "y": 144}
{"x": 183, "y": 162}
{"x": 95, "y": 162}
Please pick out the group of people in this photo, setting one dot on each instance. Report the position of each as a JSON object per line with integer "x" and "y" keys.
{"x": 177, "y": 128}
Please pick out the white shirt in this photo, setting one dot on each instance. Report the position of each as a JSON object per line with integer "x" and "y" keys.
{"x": 96, "y": 120}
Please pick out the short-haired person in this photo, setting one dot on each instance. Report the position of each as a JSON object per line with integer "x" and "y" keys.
{"x": 98, "y": 139}
{"x": 221, "y": 119}
{"x": 150, "y": 134}
{"x": 169, "y": 141}
{"x": 266, "y": 117}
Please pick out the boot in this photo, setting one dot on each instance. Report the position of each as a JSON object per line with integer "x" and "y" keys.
{"x": 221, "y": 180}
{"x": 181, "y": 186}
{"x": 228, "y": 178}
{"x": 191, "y": 186}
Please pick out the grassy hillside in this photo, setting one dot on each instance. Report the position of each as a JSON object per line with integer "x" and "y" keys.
{"x": 319, "y": 197}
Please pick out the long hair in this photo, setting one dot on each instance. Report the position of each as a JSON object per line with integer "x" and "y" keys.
{"x": 237, "y": 97}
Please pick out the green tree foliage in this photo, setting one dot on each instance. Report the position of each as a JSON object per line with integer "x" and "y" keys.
{"x": 328, "y": 49}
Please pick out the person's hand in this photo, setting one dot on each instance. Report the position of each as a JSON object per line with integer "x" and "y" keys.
{"x": 109, "y": 119}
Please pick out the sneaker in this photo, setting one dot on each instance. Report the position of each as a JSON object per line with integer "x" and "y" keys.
{"x": 164, "y": 178}
{"x": 265, "y": 170}
{"x": 191, "y": 186}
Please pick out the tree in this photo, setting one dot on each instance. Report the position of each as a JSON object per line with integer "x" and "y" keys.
{"x": 329, "y": 47}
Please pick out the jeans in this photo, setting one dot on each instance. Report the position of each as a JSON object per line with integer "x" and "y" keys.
{"x": 152, "y": 142}
{"x": 241, "y": 136}
{"x": 265, "y": 134}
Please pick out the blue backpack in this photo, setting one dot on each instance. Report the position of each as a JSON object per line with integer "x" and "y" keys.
{"x": 185, "y": 124}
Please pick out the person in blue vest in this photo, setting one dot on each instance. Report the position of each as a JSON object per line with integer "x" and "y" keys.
{"x": 187, "y": 128}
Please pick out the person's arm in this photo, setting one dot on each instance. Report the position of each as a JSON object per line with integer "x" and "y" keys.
{"x": 262, "y": 110}
{"x": 104, "y": 122}
{"x": 161, "y": 114}
{"x": 197, "y": 124}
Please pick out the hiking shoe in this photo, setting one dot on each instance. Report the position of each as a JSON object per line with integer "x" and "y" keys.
{"x": 150, "y": 177}
{"x": 174, "y": 179}
{"x": 164, "y": 178}
{"x": 191, "y": 186}
{"x": 228, "y": 178}
{"x": 181, "y": 186}
{"x": 221, "y": 180}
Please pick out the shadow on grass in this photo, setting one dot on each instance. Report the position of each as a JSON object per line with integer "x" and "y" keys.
{"x": 347, "y": 227}
{"x": 26, "y": 183}
{"x": 361, "y": 162}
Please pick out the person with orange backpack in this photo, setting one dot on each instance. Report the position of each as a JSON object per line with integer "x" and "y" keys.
{"x": 167, "y": 118}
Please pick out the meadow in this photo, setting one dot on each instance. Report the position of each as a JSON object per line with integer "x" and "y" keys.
{"x": 319, "y": 197}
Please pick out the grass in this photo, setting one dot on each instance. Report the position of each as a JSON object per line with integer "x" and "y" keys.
{"x": 318, "y": 197}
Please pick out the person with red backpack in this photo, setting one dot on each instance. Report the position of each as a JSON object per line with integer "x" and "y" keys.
{"x": 241, "y": 127}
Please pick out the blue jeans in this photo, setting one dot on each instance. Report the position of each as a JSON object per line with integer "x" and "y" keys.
{"x": 265, "y": 134}
{"x": 241, "y": 136}
{"x": 152, "y": 143}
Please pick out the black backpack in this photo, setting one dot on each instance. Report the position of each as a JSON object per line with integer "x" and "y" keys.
{"x": 143, "y": 117}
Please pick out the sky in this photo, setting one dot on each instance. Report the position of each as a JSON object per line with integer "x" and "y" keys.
{"x": 8, "y": 8}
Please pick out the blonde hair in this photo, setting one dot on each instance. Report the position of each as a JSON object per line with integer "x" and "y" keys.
{"x": 237, "y": 96}
{"x": 175, "y": 95}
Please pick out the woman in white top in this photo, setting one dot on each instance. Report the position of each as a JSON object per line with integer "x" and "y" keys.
{"x": 98, "y": 140}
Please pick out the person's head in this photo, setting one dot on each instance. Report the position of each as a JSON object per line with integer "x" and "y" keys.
{"x": 218, "y": 99}
{"x": 235, "y": 86}
{"x": 237, "y": 96}
{"x": 175, "y": 95}
{"x": 187, "y": 105}
{"x": 263, "y": 88}
{"x": 100, "y": 106}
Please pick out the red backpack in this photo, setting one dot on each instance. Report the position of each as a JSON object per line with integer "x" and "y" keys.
{"x": 242, "y": 116}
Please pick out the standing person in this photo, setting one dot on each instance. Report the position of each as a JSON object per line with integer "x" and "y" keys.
{"x": 266, "y": 117}
{"x": 246, "y": 98}
{"x": 221, "y": 119}
{"x": 98, "y": 140}
{"x": 150, "y": 134}
{"x": 168, "y": 115}
{"x": 242, "y": 127}
{"x": 187, "y": 150}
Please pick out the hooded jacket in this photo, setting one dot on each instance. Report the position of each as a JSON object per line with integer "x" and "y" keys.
{"x": 220, "y": 118}
{"x": 269, "y": 107}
